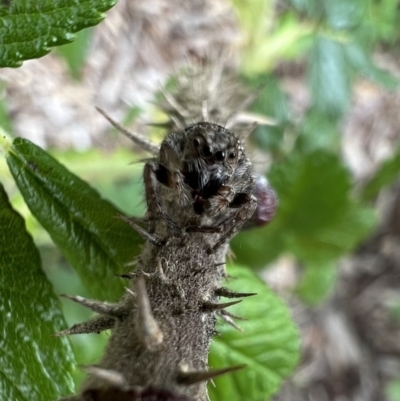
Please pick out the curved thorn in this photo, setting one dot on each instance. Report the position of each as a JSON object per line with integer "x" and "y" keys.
{"x": 212, "y": 307}
{"x": 140, "y": 230}
{"x": 103, "y": 308}
{"x": 147, "y": 324}
{"x": 229, "y": 314}
{"x": 94, "y": 325}
{"x": 173, "y": 103}
{"x": 129, "y": 275}
{"x": 227, "y": 293}
{"x": 165, "y": 125}
{"x": 198, "y": 376}
{"x": 230, "y": 321}
{"x": 219, "y": 264}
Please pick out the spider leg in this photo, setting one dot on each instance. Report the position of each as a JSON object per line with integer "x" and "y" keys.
{"x": 152, "y": 174}
{"x": 232, "y": 225}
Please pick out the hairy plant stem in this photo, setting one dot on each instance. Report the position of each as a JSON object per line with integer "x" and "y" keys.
{"x": 181, "y": 278}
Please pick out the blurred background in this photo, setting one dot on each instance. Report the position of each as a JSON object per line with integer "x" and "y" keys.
{"x": 328, "y": 72}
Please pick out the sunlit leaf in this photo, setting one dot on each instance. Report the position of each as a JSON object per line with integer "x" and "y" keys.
{"x": 269, "y": 345}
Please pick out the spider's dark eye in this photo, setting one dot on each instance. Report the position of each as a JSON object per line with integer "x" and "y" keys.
{"x": 206, "y": 151}
{"x": 196, "y": 143}
{"x": 220, "y": 155}
{"x": 232, "y": 155}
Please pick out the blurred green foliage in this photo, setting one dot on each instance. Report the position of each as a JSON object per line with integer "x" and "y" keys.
{"x": 321, "y": 216}
{"x": 393, "y": 390}
{"x": 75, "y": 53}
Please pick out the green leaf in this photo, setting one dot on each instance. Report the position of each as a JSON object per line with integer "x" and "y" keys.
{"x": 383, "y": 20}
{"x": 259, "y": 246}
{"x": 317, "y": 220}
{"x": 387, "y": 173}
{"x": 339, "y": 14}
{"x": 313, "y": 8}
{"x": 392, "y": 390}
{"x": 82, "y": 224}
{"x": 5, "y": 119}
{"x": 336, "y": 239}
{"x": 316, "y": 282}
{"x": 329, "y": 77}
{"x": 269, "y": 345}
{"x": 75, "y": 53}
{"x": 345, "y": 14}
{"x": 29, "y": 28}
{"x": 362, "y": 62}
{"x": 312, "y": 189}
{"x": 34, "y": 364}
{"x": 273, "y": 103}
{"x": 318, "y": 131}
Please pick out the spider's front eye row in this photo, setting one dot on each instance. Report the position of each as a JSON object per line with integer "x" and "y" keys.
{"x": 206, "y": 151}
{"x": 220, "y": 155}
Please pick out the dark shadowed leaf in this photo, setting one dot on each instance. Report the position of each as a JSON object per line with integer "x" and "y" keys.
{"x": 34, "y": 365}
{"x": 317, "y": 220}
{"x": 312, "y": 188}
{"x": 269, "y": 345}
{"x": 82, "y": 224}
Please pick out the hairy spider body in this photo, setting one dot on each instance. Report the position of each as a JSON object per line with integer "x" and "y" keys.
{"x": 205, "y": 168}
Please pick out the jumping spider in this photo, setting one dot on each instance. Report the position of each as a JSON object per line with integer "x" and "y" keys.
{"x": 205, "y": 167}
{"x": 205, "y": 171}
